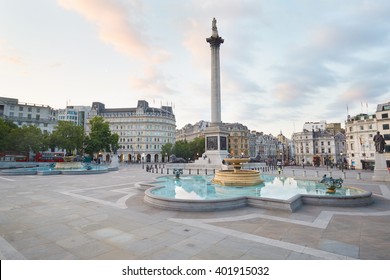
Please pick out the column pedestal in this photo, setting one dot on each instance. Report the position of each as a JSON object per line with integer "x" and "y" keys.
{"x": 381, "y": 173}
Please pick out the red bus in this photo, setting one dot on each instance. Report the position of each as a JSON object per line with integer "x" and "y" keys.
{"x": 13, "y": 157}
{"x": 50, "y": 157}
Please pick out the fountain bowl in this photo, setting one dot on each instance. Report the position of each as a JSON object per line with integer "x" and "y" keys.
{"x": 236, "y": 176}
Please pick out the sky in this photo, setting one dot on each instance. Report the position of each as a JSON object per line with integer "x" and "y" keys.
{"x": 283, "y": 62}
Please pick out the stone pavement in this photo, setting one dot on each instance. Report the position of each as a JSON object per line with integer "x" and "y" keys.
{"x": 103, "y": 217}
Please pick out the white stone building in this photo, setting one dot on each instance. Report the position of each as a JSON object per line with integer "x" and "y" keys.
{"x": 383, "y": 124}
{"x": 318, "y": 148}
{"x": 142, "y": 130}
{"x": 189, "y": 132}
{"x": 20, "y": 113}
{"x": 75, "y": 114}
{"x": 360, "y": 131}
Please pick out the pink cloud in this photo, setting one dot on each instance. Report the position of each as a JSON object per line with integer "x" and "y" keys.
{"x": 114, "y": 21}
{"x": 10, "y": 55}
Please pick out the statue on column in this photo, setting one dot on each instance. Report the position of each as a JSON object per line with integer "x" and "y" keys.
{"x": 214, "y": 28}
{"x": 379, "y": 143}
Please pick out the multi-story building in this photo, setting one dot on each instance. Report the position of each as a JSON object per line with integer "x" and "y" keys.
{"x": 266, "y": 147}
{"x": 359, "y": 132}
{"x": 314, "y": 126}
{"x": 318, "y": 147}
{"x": 383, "y": 124}
{"x": 75, "y": 114}
{"x": 142, "y": 130}
{"x": 42, "y": 116}
{"x": 238, "y": 139}
{"x": 189, "y": 132}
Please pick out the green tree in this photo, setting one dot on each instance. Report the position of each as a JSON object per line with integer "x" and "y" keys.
{"x": 100, "y": 138}
{"x": 166, "y": 150}
{"x": 69, "y": 136}
{"x": 181, "y": 149}
{"x": 197, "y": 147}
{"x": 5, "y": 129}
{"x": 26, "y": 139}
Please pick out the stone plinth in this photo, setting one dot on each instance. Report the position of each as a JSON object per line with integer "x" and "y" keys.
{"x": 381, "y": 173}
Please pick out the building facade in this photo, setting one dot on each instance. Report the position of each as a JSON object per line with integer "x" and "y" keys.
{"x": 383, "y": 124}
{"x": 238, "y": 139}
{"x": 42, "y": 116}
{"x": 74, "y": 114}
{"x": 142, "y": 130}
{"x": 318, "y": 148}
{"x": 189, "y": 132}
{"x": 359, "y": 132}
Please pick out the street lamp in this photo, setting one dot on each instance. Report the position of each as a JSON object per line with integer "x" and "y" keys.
{"x": 326, "y": 160}
{"x": 342, "y": 162}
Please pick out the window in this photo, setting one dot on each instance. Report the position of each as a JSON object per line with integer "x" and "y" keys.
{"x": 351, "y": 146}
{"x": 11, "y": 114}
{"x": 12, "y": 107}
{"x": 29, "y": 109}
{"x": 20, "y": 108}
{"x": 37, "y": 117}
{"x": 385, "y": 116}
{"x": 386, "y": 136}
{"x": 386, "y": 126}
{"x": 361, "y": 127}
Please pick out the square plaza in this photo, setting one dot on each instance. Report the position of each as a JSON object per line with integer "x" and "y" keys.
{"x": 103, "y": 216}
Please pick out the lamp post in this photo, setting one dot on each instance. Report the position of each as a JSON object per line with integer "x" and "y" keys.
{"x": 326, "y": 160}
{"x": 342, "y": 162}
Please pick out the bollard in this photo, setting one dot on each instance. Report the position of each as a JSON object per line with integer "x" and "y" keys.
{"x": 167, "y": 170}
{"x": 189, "y": 171}
{"x": 344, "y": 175}
{"x": 359, "y": 176}
{"x": 197, "y": 171}
{"x": 205, "y": 171}
{"x": 162, "y": 170}
{"x": 330, "y": 173}
{"x": 293, "y": 173}
{"x": 304, "y": 173}
{"x": 317, "y": 173}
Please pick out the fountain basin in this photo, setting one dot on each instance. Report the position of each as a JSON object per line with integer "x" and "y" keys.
{"x": 198, "y": 193}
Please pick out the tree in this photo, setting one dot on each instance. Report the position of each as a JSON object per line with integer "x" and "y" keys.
{"x": 100, "y": 138}
{"x": 181, "y": 149}
{"x": 166, "y": 150}
{"x": 27, "y": 139}
{"x": 197, "y": 147}
{"x": 5, "y": 129}
{"x": 69, "y": 136}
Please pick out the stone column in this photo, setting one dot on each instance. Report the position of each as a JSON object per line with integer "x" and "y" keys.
{"x": 215, "y": 41}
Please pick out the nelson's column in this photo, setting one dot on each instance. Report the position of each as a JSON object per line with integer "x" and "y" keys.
{"x": 216, "y": 136}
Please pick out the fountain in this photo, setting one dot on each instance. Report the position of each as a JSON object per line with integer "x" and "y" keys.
{"x": 237, "y": 177}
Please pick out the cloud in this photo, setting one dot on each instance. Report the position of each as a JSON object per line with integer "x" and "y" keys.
{"x": 10, "y": 55}
{"x": 118, "y": 23}
{"x": 122, "y": 25}
{"x": 152, "y": 82}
